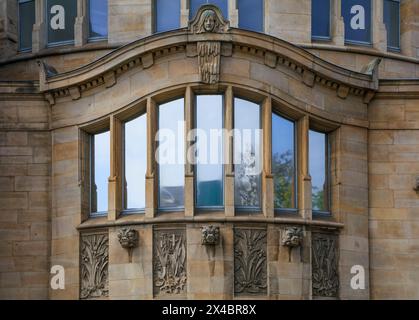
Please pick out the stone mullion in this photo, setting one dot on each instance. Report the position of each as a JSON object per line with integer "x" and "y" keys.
{"x": 115, "y": 185}
{"x": 233, "y": 13}
{"x": 304, "y": 179}
{"x": 81, "y": 24}
{"x": 267, "y": 178}
{"x": 189, "y": 171}
{"x": 337, "y": 28}
{"x": 151, "y": 176}
{"x": 39, "y": 34}
{"x": 184, "y": 13}
{"x": 228, "y": 154}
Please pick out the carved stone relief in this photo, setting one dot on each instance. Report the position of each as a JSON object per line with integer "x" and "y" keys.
{"x": 128, "y": 238}
{"x": 210, "y": 235}
{"x": 292, "y": 237}
{"x": 209, "y": 61}
{"x": 325, "y": 265}
{"x": 250, "y": 268}
{"x": 94, "y": 258}
{"x": 208, "y": 19}
{"x": 169, "y": 262}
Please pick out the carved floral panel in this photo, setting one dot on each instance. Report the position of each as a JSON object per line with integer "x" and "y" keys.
{"x": 325, "y": 265}
{"x": 94, "y": 258}
{"x": 169, "y": 262}
{"x": 250, "y": 269}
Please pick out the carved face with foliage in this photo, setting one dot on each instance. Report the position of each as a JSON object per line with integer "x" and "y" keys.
{"x": 127, "y": 237}
{"x": 210, "y": 235}
{"x": 292, "y": 237}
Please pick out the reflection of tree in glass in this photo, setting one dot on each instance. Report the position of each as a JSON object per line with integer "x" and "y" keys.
{"x": 318, "y": 198}
{"x": 283, "y": 172}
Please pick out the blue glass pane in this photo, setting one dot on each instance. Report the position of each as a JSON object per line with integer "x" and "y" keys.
{"x": 26, "y": 22}
{"x": 170, "y": 154}
{"x": 247, "y": 154}
{"x": 391, "y": 20}
{"x": 98, "y": 23}
{"x": 167, "y": 15}
{"x": 209, "y": 155}
{"x": 61, "y": 16}
{"x": 101, "y": 172}
{"x": 317, "y": 167}
{"x": 357, "y": 17}
{"x": 250, "y": 14}
{"x": 135, "y": 162}
{"x": 320, "y": 19}
{"x": 283, "y": 162}
{"x": 195, "y": 4}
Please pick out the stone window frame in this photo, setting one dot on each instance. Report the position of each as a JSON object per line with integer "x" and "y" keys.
{"x": 390, "y": 48}
{"x": 303, "y": 122}
{"x": 20, "y": 49}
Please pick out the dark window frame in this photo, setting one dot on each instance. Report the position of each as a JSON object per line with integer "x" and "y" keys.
{"x": 28, "y": 49}
{"x": 391, "y": 48}
{"x": 362, "y": 43}
{"x": 263, "y": 18}
{"x": 322, "y": 38}
{"x": 57, "y": 43}
{"x": 96, "y": 38}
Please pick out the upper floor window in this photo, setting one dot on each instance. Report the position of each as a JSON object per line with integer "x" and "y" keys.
{"x": 26, "y": 22}
{"x": 247, "y": 154}
{"x": 209, "y": 151}
{"x": 320, "y": 19}
{"x": 167, "y": 15}
{"x": 61, "y": 16}
{"x": 135, "y": 163}
{"x": 319, "y": 170}
{"x": 195, "y": 4}
{"x": 250, "y": 14}
{"x": 357, "y": 18}
{"x": 283, "y": 162}
{"x": 392, "y": 22}
{"x": 100, "y": 172}
{"x": 98, "y": 19}
{"x": 171, "y": 155}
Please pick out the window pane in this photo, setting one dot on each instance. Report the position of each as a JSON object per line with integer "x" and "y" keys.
{"x": 209, "y": 168}
{"x": 167, "y": 15}
{"x": 391, "y": 20}
{"x": 98, "y": 18}
{"x": 247, "y": 164}
{"x": 135, "y": 162}
{"x": 195, "y": 4}
{"x": 320, "y": 19}
{"x": 61, "y": 15}
{"x": 170, "y": 154}
{"x": 26, "y": 22}
{"x": 101, "y": 172}
{"x": 357, "y": 17}
{"x": 250, "y": 14}
{"x": 283, "y": 162}
{"x": 318, "y": 166}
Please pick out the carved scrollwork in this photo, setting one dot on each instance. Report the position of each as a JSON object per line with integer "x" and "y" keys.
{"x": 94, "y": 259}
{"x": 325, "y": 265}
{"x": 250, "y": 268}
{"x": 210, "y": 235}
{"x": 169, "y": 268}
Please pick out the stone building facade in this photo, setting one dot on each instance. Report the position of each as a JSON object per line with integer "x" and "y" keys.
{"x": 364, "y": 98}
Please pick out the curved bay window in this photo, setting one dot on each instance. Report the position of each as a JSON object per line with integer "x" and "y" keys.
{"x": 319, "y": 171}
{"x": 209, "y": 151}
{"x": 135, "y": 163}
{"x": 283, "y": 163}
{"x": 100, "y": 172}
{"x": 170, "y": 155}
{"x": 247, "y": 154}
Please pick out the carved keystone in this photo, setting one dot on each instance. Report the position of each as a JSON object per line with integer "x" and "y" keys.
{"x": 210, "y": 235}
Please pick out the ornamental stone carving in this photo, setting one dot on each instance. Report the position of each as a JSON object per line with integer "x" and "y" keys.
{"x": 209, "y": 61}
{"x": 94, "y": 258}
{"x": 208, "y": 19}
{"x": 292, "y": 237}
{"x": 210, "y": 235}
{"x": 169, "y": 262}
{"x": 325, "y": 265}
{"x": 128, "y": 238}
{"x": 250, "y": 268}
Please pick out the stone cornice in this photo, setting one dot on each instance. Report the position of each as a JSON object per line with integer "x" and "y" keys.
{"x": 398, "y": 89}
{"x": 143, "y": 53}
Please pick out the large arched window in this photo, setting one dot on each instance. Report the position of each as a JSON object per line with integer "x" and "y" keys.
{"x": 247, "y": 154}
{"x": 170, "y": 155}
{"x": 283, "y": 162}
{"x": 135, "y": 163}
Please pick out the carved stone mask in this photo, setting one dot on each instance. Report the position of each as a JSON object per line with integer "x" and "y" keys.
{"x": 128, "y": 238}
{"x": 292, "y": 237}
{"x": 210, "y": 235}
{"x": 209, "y": 20}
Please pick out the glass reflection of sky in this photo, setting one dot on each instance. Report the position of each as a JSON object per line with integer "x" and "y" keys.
{"x": 136, "y": 161}
{"x": 166, "y": 17}
{"x": 195, "y": 4}
{"x": 102, "y": 169}
{"x": 98, "y": 10}
{"x": 317, "y": 160}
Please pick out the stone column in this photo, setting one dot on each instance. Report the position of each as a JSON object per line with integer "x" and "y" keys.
{"x": 8, "y": 28}
{"x": 233, "y": 13}
{"x": 228, "y": 154}
{"x": 189, "y": 172}
{"x": 39, "y": 32}
{"x": 115, "y": 185}
{"x": 409, "y": 28}
{"x": 150, "y": 179}
{"x": 267, "y": 178}
{"x": 184, "y": 13}
{"x": 81, "y": 26}
{"x": 379, "y": 32}
{"x": 337, "y": 28}
{"x": 304, "y": 179}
